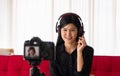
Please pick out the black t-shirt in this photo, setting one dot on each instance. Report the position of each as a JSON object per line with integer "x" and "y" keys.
{"x": 66, "y": 64}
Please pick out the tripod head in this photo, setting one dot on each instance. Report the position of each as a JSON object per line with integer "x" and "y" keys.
{"x": 34, "y": 70}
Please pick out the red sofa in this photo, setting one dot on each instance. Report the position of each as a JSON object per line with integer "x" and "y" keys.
{"x": 15, "y": 65}
{"x": 106, "y": 66}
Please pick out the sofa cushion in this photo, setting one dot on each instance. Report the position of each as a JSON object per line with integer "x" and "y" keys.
{"x": 101, "y": 66}
{"x": 25, "y": 68}
{"x": 94, "y": 65}
{"x": 104, "y": 66}
{"x": 116, "y": 66}
{"x": 3, "y": 65}
{"x": 15, "y": 66}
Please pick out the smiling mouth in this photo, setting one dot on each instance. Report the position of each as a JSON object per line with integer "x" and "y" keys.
{"x": 68, "y": 38}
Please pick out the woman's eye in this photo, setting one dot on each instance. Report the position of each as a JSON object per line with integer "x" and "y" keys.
{"x": 64, "y": 30}
{"x": 72, "y": 30}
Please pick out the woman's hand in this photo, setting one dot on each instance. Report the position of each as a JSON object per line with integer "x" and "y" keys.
{"x": 81, "y": 44}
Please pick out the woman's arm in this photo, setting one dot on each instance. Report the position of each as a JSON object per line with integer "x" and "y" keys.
{"x": 80, "y": 61}
{"x": 87, "y": 62}
{"x": 81, "y": 45}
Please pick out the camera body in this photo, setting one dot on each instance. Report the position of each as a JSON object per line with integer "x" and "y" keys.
{"x": 37, "y": 50}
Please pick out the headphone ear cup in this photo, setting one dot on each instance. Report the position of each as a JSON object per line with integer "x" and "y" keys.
{"x": 58, "y": 29}
{"x": 58, "y": 24}
{"x": 81, "y": 31}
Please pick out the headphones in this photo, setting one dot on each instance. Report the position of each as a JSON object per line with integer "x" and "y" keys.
{"x": 81, "y": 27}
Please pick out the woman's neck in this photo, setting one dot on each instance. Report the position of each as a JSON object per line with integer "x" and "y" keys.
{"x": 70, "y": 47}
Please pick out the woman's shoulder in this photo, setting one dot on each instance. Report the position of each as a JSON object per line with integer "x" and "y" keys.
{"x": 89, "y": 48}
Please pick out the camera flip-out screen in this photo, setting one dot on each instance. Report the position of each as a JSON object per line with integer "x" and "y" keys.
{"x": 32, "y": 52}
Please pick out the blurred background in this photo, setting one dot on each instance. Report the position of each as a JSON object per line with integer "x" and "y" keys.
{"x": 21, "y": 20}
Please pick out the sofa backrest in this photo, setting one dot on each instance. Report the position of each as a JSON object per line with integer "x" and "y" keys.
{"x": 106, "y": 66}
{"x": 16, "y": 66}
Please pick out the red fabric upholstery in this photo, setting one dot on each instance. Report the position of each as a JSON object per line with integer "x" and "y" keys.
{"x": 106, "y": 66}
{"x": 15, "y": 65}
{"x": 116, "y": 66}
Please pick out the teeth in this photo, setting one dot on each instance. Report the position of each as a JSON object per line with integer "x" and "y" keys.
{"x": 68, "y": 38}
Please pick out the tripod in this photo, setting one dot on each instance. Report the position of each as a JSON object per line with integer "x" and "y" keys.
{"x": 34, "y": 71}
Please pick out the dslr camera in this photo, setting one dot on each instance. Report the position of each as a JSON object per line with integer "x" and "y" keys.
{"x": 36, "y": 50}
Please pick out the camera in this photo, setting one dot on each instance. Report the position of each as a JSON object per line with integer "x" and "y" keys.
{"x": 36, "y": 50}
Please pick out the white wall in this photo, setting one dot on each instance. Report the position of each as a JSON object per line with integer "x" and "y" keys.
{"x": 20, "y": 20}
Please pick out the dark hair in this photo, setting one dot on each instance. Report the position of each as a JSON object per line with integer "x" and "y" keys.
{"x": 31, "y": 48}
{"x": 65, "y": 19}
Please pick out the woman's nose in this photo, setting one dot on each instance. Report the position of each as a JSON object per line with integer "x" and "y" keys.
{"x": 68, "y": 33}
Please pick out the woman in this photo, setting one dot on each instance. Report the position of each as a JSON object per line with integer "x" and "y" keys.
{"x": 31, "y": 52}
{"x": 73, "y": 55}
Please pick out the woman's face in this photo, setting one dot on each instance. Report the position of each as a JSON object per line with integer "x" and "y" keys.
{"x": 69, "y": 33}
{"x": 32, "y": 52}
